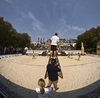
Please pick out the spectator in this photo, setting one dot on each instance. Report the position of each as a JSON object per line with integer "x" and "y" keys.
{"x": 53, "y": 70}
{"x": 43, "y": 92}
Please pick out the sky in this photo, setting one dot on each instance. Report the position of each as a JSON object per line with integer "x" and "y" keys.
{"x": 43, "y": 18}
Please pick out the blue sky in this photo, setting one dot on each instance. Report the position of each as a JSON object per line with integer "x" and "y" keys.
{"x": 42, "y": 18}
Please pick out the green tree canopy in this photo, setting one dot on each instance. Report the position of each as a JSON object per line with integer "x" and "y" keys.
{"x": 10, "y": 37}
{"x": 89, "y": 38}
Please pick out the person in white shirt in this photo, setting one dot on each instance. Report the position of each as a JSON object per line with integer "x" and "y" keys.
{"x": 43, "y": 92}
{"x": 54, "y": 44}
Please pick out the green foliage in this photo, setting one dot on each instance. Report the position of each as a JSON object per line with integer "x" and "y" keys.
{"x": 90, "y": 39}
{"x": 10, "y": 37}
{"x": 32, "y": 46}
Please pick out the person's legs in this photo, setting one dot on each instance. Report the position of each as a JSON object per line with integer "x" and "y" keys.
{"x": 55, "y": 86}
{"x": 33, "y": 56}
{"x": 49, "y": 83}
{"x": 55, "y": 53}
{"x": 52, "y": 50}
{"x": 51, "y": 53}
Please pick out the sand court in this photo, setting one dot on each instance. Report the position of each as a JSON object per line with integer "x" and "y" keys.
{"x": 80, "y": 77}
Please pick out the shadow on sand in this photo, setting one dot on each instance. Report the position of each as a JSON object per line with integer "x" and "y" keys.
{"x": 16, "y": 91}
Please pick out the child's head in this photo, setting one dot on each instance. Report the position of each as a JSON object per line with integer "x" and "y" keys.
{"x": 41, "y": 83}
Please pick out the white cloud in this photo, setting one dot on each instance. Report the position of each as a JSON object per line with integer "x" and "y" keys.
{"x": 36, "y": 25}
{"x": 8, "y": 1}
{"x": 64, "y": 25}
{"x": 77, "y": 28}
{"x": 65, "y": 30}
{"x": 34, "y": 22}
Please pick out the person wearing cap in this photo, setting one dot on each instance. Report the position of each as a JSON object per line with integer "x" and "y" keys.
{"x": 54, "y": 43}
{"x": 53, "y": 69}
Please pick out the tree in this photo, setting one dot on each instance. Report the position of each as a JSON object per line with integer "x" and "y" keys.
{"x": 10, "y": 37}
{"x": 6, "y": 31}
{"x": 89, "y": 38}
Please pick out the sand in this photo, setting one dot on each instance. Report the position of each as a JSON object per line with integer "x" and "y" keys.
{"x": 19, "y": 76}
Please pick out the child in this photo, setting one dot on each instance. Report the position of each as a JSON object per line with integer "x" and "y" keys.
{"x": 42, "y": 91}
